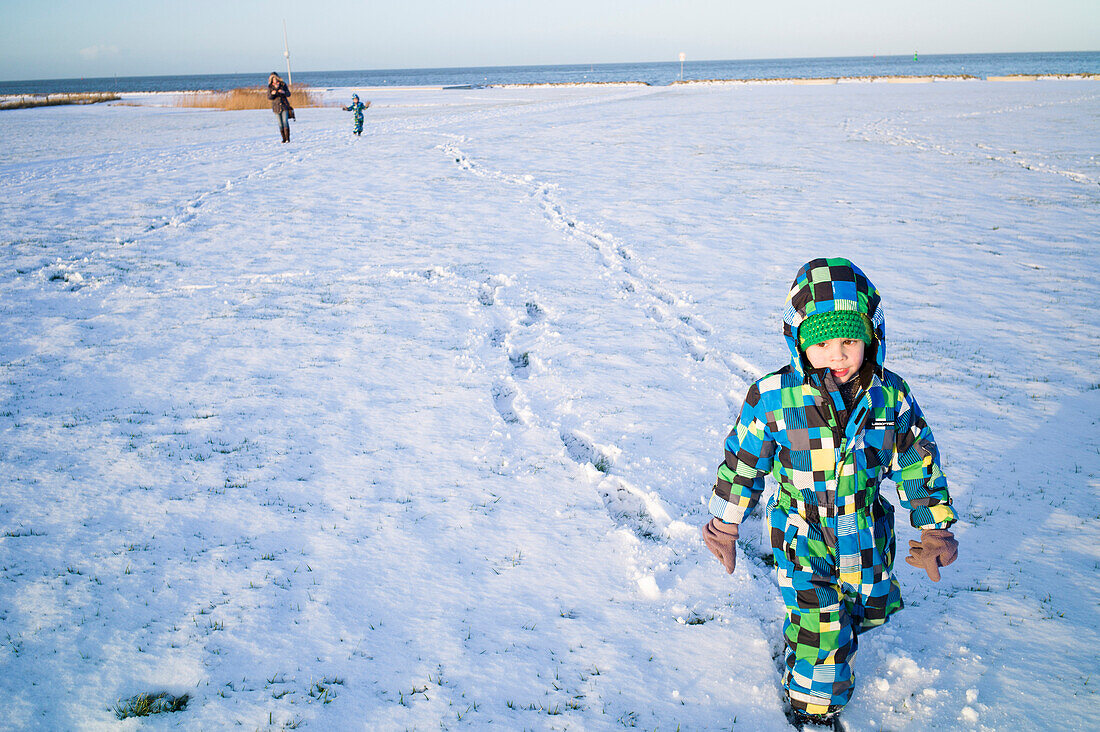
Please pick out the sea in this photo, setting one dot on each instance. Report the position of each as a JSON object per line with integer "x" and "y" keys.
{"x": 654, "y": 73}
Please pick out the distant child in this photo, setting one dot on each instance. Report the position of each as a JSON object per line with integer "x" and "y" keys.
{"x": 829, "y": 426}
{"x": 356, "y": 108}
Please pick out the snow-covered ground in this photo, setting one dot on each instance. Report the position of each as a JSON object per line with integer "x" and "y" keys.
{"x": 414, "y": 430}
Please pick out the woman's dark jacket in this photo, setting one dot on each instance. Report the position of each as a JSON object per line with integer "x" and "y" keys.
{"x": 279, "y": 97}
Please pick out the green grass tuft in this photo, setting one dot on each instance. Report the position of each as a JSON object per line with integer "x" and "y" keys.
{"x": 144, "y": 705}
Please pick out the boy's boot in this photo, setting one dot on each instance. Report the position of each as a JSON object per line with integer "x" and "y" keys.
{"x": 801, "y": 720}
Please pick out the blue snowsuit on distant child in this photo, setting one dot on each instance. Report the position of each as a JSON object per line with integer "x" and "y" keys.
{"x": 356, "y": 108}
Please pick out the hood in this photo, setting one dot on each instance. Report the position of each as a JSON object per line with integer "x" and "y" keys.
{"x": 824, "y": 285}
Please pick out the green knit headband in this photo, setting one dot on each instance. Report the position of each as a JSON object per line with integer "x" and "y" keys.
{"x": 834, "y": 324}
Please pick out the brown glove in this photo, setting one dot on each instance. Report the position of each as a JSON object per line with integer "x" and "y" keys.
{"x": 721, "y": 539}
{"x": 936, "y": 548}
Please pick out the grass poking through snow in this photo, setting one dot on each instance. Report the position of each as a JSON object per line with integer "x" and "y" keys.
{"x": 23, "y": 101}
{"x": 144, "y": 705}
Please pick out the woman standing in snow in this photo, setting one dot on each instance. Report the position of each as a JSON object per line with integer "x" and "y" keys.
{"x": 279, "y": 94}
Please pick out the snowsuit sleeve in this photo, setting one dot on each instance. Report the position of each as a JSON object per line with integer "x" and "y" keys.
{"x": 749, "y": 451}
{"x": 915, "y": 469}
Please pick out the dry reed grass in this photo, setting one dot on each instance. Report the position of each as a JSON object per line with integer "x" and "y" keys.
{"x": 23, "y": 101}
{"x": 253, "y": 97}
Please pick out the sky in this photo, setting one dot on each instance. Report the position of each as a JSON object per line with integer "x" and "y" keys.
{"x": 103, "y": 38}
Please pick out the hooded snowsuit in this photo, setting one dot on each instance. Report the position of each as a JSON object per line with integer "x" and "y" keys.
{"x": 832, "y": 533}
{"x": 356, "y": 108}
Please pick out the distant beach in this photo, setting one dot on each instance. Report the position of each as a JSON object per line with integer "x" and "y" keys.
{"x": 858, "y": 68}
{"x": 809, "y": 81}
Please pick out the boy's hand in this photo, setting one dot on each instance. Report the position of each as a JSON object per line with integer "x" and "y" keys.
{"x": 721, "y": 539}
{"x": 936, "y": 548}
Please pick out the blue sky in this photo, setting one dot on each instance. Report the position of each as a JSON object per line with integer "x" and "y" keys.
{"x": 72, "y": 38}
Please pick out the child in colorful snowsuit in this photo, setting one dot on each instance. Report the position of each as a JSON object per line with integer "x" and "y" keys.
{"x": 829, "y": 427}
{"x": 356, "y": 108}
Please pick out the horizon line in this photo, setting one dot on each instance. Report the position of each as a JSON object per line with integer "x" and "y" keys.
{"x": 555, "y": 65}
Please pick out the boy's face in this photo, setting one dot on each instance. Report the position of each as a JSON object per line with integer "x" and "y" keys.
{"x": 842, "y": 356}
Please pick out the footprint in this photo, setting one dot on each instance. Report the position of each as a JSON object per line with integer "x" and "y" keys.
{"x": 582, "y": 449}
{"x": 632, "y": 509}
{"x": 63, "y": 273}
{"x": 504, "y": 399}
{"x": 534, "y": 314}
{"x": 487, "y": 290}
{"x": 701, "y": 328}
{"x": 521, "y": 362}
{"x": 694, "y": 347}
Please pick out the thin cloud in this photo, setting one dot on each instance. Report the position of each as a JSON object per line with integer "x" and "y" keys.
{"x": 91, "y": 53}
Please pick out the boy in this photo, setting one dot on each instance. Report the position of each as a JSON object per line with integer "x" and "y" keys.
{"x": 829, "y": 427}
{"x": 356, "y": 108}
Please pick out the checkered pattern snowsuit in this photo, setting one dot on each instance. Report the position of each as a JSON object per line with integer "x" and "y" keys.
{"x": 832, "y": 533}
{"x": 356, "y": 109}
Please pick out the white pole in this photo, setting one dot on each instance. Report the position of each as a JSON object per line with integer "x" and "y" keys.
{"x": 682, "y": 56}
{"x": 286, "y": 54}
